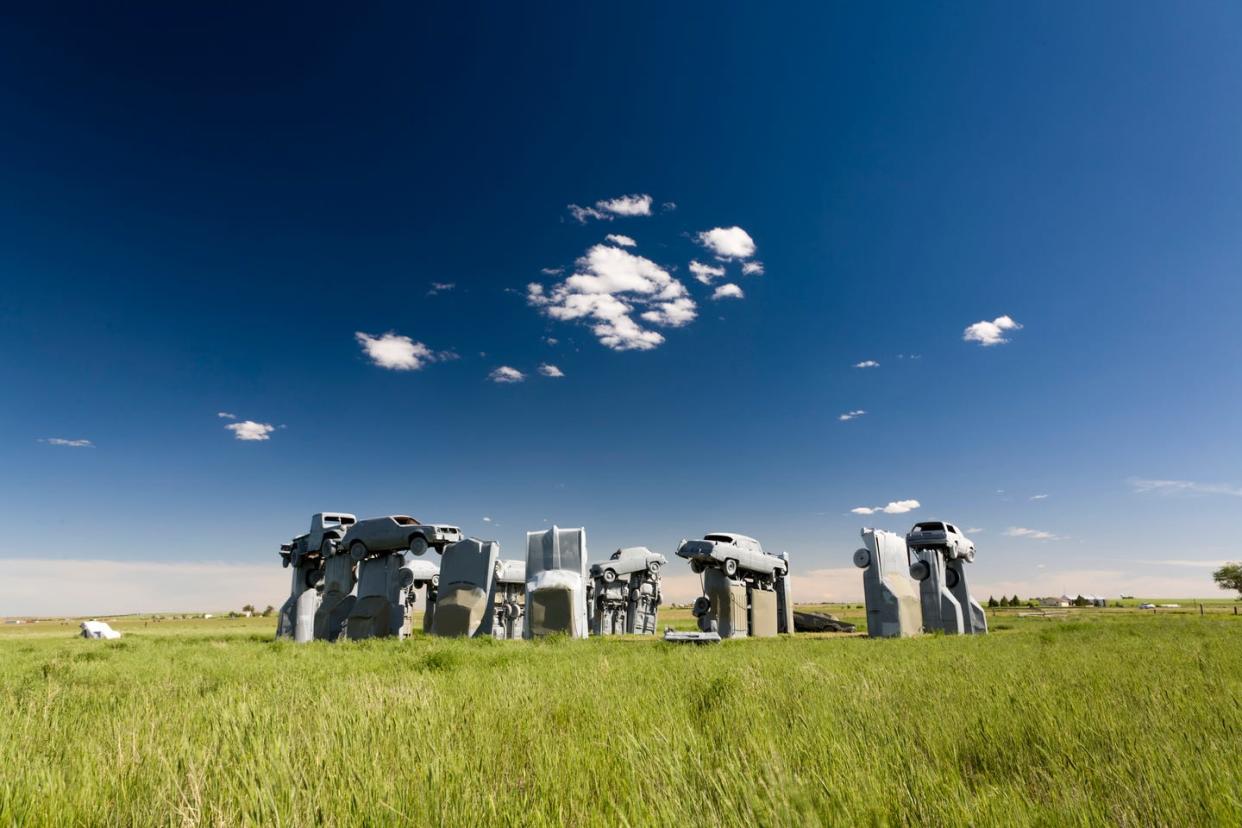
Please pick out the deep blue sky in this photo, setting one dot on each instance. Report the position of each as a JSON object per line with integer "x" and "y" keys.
{"x": 200, "y": 208}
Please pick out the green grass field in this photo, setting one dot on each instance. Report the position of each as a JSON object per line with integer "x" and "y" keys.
{"x": 1110, "y": 716}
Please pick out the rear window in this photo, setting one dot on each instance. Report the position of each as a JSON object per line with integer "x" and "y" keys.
{"x": 346, "y": 521}
{"x": 721, "y": 538}
{"x": 402, "y": 520}
{"x": 929, "y": 527}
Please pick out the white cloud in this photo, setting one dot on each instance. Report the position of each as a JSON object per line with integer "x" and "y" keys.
{"x": 668, "y": 206}
{"x": 506, "y": 374}
{"x": 1173, "y": 487}
{"x": 1039, "y": 497}
{"x": 250, "y": 430}
{"x": 487, "y": 519}
{"x": 851, "y": 415}
{"x": 608, "y": 208}
{"x": 618, "y": 239}
{"x": 551, "y": 271}
{"x": 440, "y": 287}
{"x": 896, "y": 507}
{"x": 608, "y": 285}
{"x": 729, "y": 291}
{"x": 226, "y": 415}
{"x": 551, "y": 340}
{"x": 1032, "y": 534}
{"x": 1108, "y": 582}
{"x": 867, "y": 363}
{"x": 728, "y": 242}
{"x": 990, "y": 333}
{"x": 974, "y": 530}
{"x": 550, "y": 370}
{"x": 705, "y": 272}
{"x": 752, "y": 269}
{"x": 395, "y": 352}
{"x": 61, "y": 441}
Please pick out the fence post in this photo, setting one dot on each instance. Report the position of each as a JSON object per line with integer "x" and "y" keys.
{"x": 1201, "y": 609}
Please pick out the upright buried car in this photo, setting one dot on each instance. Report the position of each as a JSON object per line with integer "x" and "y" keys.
{"x": 731, "y": 552}
{"x": 396, "y": 533}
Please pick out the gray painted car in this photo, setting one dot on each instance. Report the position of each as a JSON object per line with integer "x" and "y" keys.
{"x": 731, "y": 552}
{"x": 937, "y": 534}
{"x": 324, "y": 525}
{"x": 628, "y": 561}
{"x": 396, "y": 533}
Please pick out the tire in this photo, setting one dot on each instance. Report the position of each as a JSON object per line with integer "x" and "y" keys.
{"x": 357, "y": 551}
{"x": 609, "y": 576}
{"x": 862, "y": 558}
{"x": 730, "y": 567}
{"x": 418, "y": 545}
{"x": 653, "y": 568}
{"x": 435, "y": 581}
{"x": 696, "y": 566}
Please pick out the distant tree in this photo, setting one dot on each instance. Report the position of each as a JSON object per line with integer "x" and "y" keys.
{"x": 248, "y": 608}
{"x": 1080, "y": 601}
{"x": 268, "y": 610}
{"x": 992, "y": 602}
{"x": 1229, "y": 576}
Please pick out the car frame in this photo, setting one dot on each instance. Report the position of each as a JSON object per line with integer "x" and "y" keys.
{"x": 733, "y": 552}
{"x": 627, "y": 561}
{"x": 939, "y": 534}
{"x": 324, "y": 525}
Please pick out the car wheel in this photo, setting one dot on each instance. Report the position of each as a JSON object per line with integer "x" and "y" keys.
{"x": 435, "y": 581}
{"x": 951, "y": 577}
{"x": 730, "y": 567}
{"x": 418, "y": 544}
{"x": 357, "y": 550}
{"x": 862, "y": 558}
{"x": 696, "y": 567}
{"x": 609, "y": 576}
{"x": 654, "y": 568}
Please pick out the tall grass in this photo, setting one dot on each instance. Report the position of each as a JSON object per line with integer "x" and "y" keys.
{"x": 1123, "y": 719}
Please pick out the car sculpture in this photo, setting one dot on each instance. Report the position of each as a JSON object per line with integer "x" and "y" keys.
{"x": 324, "y": 525}
{"x": 731, "y": 552}
{"x": 940, "y": 535}
{"x": 628, "y": 561}
{"x": 396, "y": 533}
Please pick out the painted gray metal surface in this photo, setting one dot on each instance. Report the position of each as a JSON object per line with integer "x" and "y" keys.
{"x": 732, "y": 552}
{"x": 337, "y": 601}
{"x": 379, "y": 608}
{"x": 304, "y": 555}
{"x": 974, "y": 619}
{"x": 894, "y": 606}
{"x": 464, "y": 600}
{"x": 940, "y": 551}
{"x": 556, "y": 583}
{"x": 625, "y": 592}
{"x": 508, "y": 599}
{"x": 725, "y": 609}
{"x": 674, "y": 637}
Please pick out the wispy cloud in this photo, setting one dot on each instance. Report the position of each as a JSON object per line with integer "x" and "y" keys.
{"x": 752, "y": 269}
{"x": 550, "y": 370}
{"x": 226, "y": 415}
{"x": 249, "y": 430}
{"x": 729, "y": 291}
{"x": 896, "y": 507}
{"x": 62, "y": 441}
{"x": 440, "y": 287}
{"x": 1032, "y": 534}
{"x": 990, "y": 333}
{"x": 867, "y": 363}
{"x": 608, "y": 286}
{"x": 728, "y": 243}
{"x": 395, "y": 352}
{"x": 1191, "y": 564}
{"x": 1174, "y": 487}
{"x": 975, "y": 530}
{"x": 505, "y": 374}
{"x": 608, "y": 208}
{"x": 851, "y": 415}
{"x": 1039, "y": 497}
{"x": 705, "y": 273}
{"x": 620, "y": 240}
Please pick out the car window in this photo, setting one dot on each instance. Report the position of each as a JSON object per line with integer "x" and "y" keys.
{"x": 721, "y": 538}
{"x": 929, "y": 527}
{"x": 949, "y": 526}
{"x": 402, "y": 520}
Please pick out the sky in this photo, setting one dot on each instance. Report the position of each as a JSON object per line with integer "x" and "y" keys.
{"x": 655, "y": 270}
